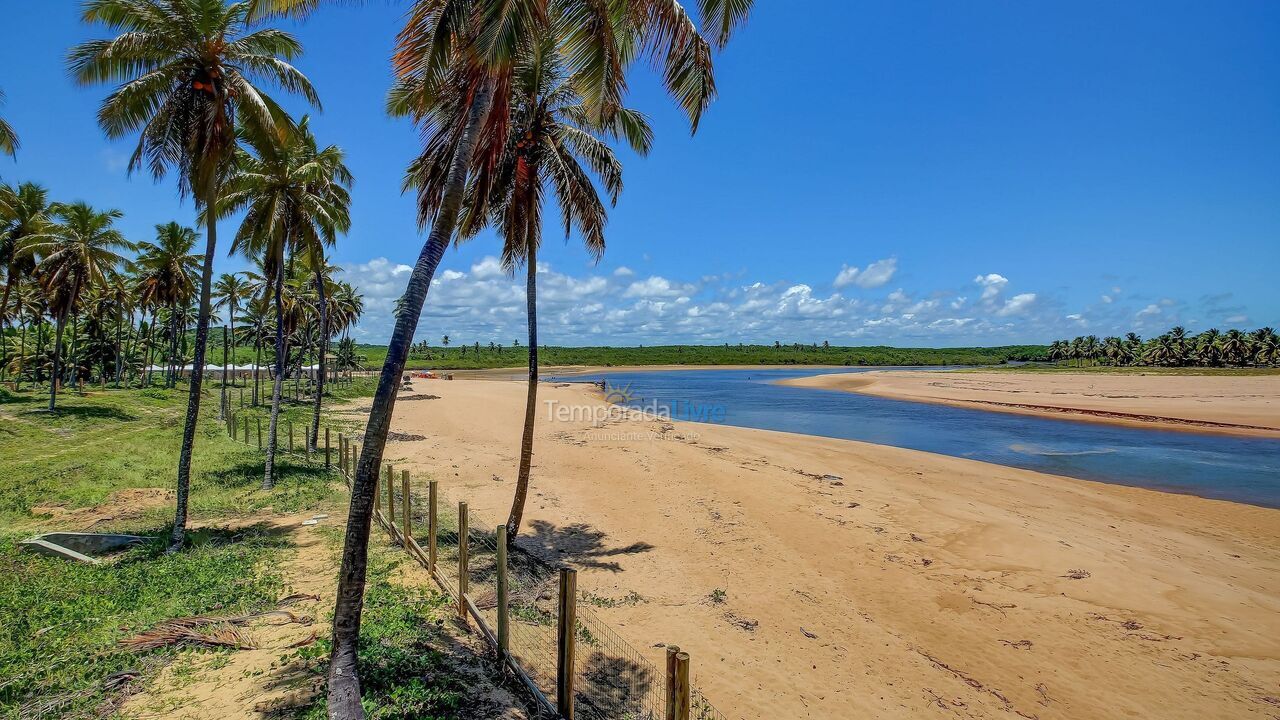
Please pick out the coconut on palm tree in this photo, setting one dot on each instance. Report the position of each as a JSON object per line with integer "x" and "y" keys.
{"x": 295, "y": 201}
{"x": 76, "y": 252}
{"x": 190, "y": 72}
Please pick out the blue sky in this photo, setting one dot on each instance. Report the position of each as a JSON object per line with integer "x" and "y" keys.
{"x": 912, "y": 173}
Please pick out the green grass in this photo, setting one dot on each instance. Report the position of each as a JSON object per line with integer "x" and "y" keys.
{"x": 455, "y": 358}
{"x": 403, "y": 671}
{"x": 60, "y": 622}
{"x": 110, "y": 440}
{"x": 1132, "y": 370}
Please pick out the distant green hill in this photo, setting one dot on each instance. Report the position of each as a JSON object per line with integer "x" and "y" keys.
{"x": 469, "y": 358}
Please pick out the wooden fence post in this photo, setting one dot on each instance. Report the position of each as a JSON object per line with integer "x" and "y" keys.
{"x": 463, "y": 579}
{"x": 377, "y": 492}
{"x": 406, "y": 527}
{"x": 433, "y": 523}
{"x": 231, "y": 425}
{"x": 342, "y": 451}
{"x": 391, "y": 499}
{"x": 326, "y": 448}
{"x": 259, "y": 433}
{"x": 246, "y": 431}
{"x": 504, "y": 627}
{"x": 565, "y": 645}
{"x": 678, "y": 689}
{"x": 290, "y": 425}
{"x": 306, "y": 441}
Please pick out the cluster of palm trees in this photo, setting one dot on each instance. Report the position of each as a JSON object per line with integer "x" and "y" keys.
{"x": 1211, "y": 348}
{"x": 81, "y": 304}
{"x": 517, "y": 101}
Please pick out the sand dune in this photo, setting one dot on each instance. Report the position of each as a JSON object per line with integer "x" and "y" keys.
{"x": 1244, "y": 405}
{"x": 913, "y": 585}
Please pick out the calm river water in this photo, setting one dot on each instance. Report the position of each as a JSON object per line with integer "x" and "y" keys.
{"x": 1239, "y": 469}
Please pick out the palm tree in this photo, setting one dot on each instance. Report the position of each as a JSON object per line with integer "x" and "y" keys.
{"x": 229, "y": 292}
{"x": 1206, "y": 347}
{"x": 75, "y": 254}
{"x": 553, "y": 143}
{"x": 28, "y": 308}
{"x": 467, "y": 49}
{"x": 8, "y": 137}
{"x": 294, "y": 196}
{"x": 1113, "y": 350}
{"x": 348, "y": 306}
{"x": 166, "y": 276}
{"x": 189, "y": 69}
{"x": 24, "y": 212}
{"x": 1234, "y": 347}
{"x": 1058, "y": 350}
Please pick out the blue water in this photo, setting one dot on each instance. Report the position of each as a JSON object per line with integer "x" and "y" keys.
{"x": 1238, "y": 469}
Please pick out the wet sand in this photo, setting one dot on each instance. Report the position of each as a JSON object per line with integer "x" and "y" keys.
{"x": 1243, "y": 405}
{"x": 901, "y": 584}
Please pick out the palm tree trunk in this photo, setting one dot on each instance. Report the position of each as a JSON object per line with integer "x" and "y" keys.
{"x": 71, "y": 353}
{"x": 57, "y": 361}
{"x": 119, "y": 345}
{"x": 22, "y": 354}
{"x": 531, "y": 400}
{"x": 344, "y": 678}
{"x": 268, "y": 479}
{"x": 232, "y": 313}
{"x": 197, "y": 372}
{"x": 320, "y": 360}
{"x": 222, "y": 403}
{"x": 257, "y": 363}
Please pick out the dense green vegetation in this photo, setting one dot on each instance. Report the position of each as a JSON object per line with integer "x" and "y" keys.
{"x": 490, "y": 355}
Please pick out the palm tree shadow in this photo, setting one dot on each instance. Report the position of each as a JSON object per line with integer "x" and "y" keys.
{"x": 579, "y": 544}
{"x": 613, "y": 687}
{"x": 93, "y": 412}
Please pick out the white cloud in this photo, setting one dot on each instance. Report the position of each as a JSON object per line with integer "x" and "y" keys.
{"x": 877, "y": 274}
{"x": 624, "y": 271}
{"x": 1237, "y": 319}
{"x": 1017, "y": 304}
{"x": 477, "y": 301}
{"x": 992, "y": 284}
{"x": 656, "y": 287}
{"x": 1107, "y": 299}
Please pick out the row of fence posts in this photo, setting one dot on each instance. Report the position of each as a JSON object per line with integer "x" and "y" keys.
{"x": 678, "y": 688}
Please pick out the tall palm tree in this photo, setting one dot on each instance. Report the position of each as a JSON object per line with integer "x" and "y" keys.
{"x": 553, "y": 143}
{"x": 189, "y": 71}
{"x": 76, "y": 253}
{"x": 472, "y": 45}
{"x": 8, "y": 137}
{"x": 348, "y": 306}
{"x": 230, "y": 291}
{"x": 295, "y": 200}
{"x": 167, "y": 270}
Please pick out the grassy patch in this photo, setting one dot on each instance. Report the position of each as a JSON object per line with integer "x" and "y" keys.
{"x": 60, "y": 622}
{"x": 111, "y": 440}
{"x": 403, "y": 672}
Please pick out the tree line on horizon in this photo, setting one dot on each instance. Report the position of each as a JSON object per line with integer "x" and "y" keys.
{"x": 519, "y": 103}
{"x": 1175, "y": 348}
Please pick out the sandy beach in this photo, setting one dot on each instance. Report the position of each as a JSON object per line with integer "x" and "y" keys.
{"x": 1244, "y": 405}
{"x": 874, "y": 582}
